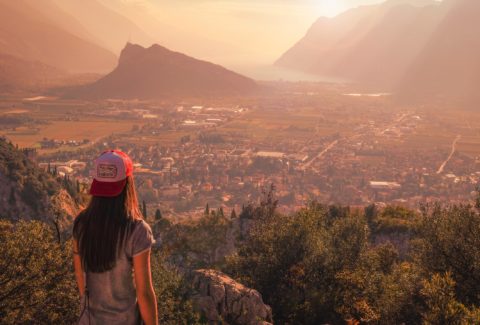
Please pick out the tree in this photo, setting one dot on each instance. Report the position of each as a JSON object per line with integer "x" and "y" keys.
{"x": 12, "y": 200}
{"x": 36, "y": 281}
{"x": 450, "y": 241}
{"x": 477, "y": 197}
{"x": 442, "y": 306}
{"x": 172, "y": 291}
{"x": 158, "y": 214}
{"x": 207, "y": 210}
{"x": 144, "y": 209}
{"x": 294, "y": 261}
{"x": 233, "y": 215}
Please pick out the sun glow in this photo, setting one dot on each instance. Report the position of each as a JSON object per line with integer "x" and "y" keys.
{"x": 331, "y": 8}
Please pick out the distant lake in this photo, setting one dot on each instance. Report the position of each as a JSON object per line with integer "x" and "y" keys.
{"x": 274, "y": 73}
{"x": 368, "y": 95}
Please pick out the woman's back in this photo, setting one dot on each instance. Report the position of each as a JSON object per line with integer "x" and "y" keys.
{"x": 111, "y": 241}
{"x": 112, "y": 294}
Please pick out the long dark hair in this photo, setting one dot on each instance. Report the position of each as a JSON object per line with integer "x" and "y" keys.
{"x": 102, "y": 228}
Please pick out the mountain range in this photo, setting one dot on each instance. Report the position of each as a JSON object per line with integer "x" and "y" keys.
{"x": 28, "y": 31}
{"x": 413, "y": 47}
{"x": 155, "y": 72}
{"x": 16, "y": 73}
{"x": 55, "y": 43}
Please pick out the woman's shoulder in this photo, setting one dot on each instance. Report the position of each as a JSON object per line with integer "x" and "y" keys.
{"x": 141, "y": 229}
{"x": 141, "y": 237}
{"x": 140, "y": 224}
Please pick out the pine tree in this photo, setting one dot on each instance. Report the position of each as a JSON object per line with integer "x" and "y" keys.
{"x": 12, "y": 199}
{"x": 477, "y": 199}
{"x": 158, "y": 214}
{"x": 220, "y": 212}
{"x": 144, "y": 209}
{"x": 207, "y": 210}
{"x": 233, "y": 215}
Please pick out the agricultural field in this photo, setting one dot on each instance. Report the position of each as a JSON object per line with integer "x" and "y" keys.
{"x": 68, "y": 130}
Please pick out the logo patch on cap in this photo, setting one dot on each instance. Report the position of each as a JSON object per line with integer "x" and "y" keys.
{"x": 107, "y": 171}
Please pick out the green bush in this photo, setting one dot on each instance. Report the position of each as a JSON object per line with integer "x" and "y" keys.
{"x": 37, "y": 284}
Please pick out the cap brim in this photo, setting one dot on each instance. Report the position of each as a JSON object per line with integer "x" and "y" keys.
{"x": 107, "y": 189}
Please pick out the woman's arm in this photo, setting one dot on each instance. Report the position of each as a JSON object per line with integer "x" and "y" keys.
{"x": 145, "y": 294}
{"x": 77, "y": 264}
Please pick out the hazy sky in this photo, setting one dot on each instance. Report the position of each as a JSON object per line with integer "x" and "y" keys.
{"x": 260, "y": 30}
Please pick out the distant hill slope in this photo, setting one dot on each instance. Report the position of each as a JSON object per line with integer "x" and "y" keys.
{"x": 450, "y": 62}
{"x": 110, "y": 27}
{"x": 154, "y": 72}
{"x": 27, "y": 192}
{"x": 417, "y": 49}
{"x": 17, "y": 74}
{"x": 369, "y": 44}
{"x": 30, "y": 34}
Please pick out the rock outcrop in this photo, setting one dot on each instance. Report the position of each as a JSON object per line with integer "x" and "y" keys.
{"x": 221, "y": 300}
{"x": 29, "y": 193}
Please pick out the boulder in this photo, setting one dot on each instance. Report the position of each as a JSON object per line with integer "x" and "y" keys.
{"x": 222, "y": 300}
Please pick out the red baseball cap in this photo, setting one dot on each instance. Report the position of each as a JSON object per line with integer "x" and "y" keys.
{"x": 110, "y": 173}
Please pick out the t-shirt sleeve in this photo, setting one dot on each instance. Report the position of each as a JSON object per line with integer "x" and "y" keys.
{"x": 142, "y": 238}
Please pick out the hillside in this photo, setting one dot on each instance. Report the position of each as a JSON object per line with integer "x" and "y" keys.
{"x": 414, "y": 48}
{"x": 30, "y": 34}
{"x": 450, "y": 62}
{"x": 369, "y": 44}
{"x": 18, "y": 74}
{"x": 154, "y": 72}
{"x": 111, "y": 28}
{"x": 29, "y": 193}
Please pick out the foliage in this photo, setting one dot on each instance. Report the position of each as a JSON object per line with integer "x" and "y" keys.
{"x": 211, "y": 138}
{"x": 36, "y": 279}
{"x": 33, "y": 183}
{"x": 198, "y": 244}
{"x": 394, "y": 219}
{"x": 174, "y": 307}
{"x": 321, "y": 265}
{"x": 293, "y": 261}
{"x": 158, "y": 214}
{"x": 37, "y": 284}
{"x": 443, "y": 307}
{"x": 451, "y": 243}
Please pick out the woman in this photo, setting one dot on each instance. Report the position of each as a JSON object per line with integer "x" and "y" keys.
{"x": 112, "y": 249}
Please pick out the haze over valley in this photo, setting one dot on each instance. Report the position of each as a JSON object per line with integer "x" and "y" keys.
{"x": 325, "y": 151}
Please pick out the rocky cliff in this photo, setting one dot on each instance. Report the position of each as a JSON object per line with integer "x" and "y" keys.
{"x": 29, "y": 193}
{"x": 221, "y": 300}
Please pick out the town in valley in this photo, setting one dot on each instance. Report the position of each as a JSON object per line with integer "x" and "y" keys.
{"x": 311, "y": 141}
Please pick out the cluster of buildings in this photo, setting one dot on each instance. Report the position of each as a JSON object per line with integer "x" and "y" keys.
{"x": 56, "y": 143}
{"x": 359, "y": 168}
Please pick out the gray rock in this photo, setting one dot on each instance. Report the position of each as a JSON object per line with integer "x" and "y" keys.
{"x": 222, "y": 300}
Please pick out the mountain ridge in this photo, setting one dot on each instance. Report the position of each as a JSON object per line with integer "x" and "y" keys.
{"x": 154, "y": 72}
{"x": 347, "y": 46}
{"x": 30, "y": 35}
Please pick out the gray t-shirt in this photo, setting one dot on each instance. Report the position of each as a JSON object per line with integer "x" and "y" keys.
{"x": 112, "y": 297}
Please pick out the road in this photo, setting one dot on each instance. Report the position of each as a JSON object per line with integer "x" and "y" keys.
{"x": 395, "y": 122}
{"x": 454, "y": 148}
{"x": 324, "y": 151}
